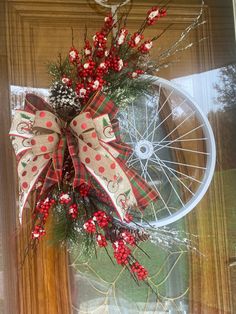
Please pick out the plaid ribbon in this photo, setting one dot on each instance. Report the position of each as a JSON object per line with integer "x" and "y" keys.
{"x": 81, "y": 174}
{"x": 101, "y": 104}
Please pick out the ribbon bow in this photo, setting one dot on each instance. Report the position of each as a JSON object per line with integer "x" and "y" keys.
{"x": 92, "y": 138}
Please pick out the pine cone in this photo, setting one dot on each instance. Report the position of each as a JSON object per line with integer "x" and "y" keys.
{"x": 115, "y": 231}
{"x": 64, "y": 101}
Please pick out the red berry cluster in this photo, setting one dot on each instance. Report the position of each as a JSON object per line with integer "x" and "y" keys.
{"x": 81, "y": 91}
{"x": 101, "y": 218}
{"x": 155, "y": 14}
{"x": 121, "y": 252}
{"x": 135, "y": 74}
{"x": 116, "y": 63}
{"x": 102, "y": 68}
{"x": 139, "y": 270}
{"x": 64, "y": 198}
{"x": 84, "y": 189}
{"x": 65, "y": 80}
{"x": 41, "y": 214}
{"x": 135, "y": 40}
{"x": 38, "y": 232}
{"x": 99, "y": 40}
{"x": 128, "y": 238}
{"x": 101, "y": 240}
{"x": 97, "y": 60}
{"x": 96, "y": 84}
{"x": 89, "y": 226}
{"x": 100, "y": 52}
{"x": 86, "y": 69}
{"x": 87, "y": 49}
{"x": 146, "y": 46}
{"x": 108, "y": 23}
{"x": 73, "y": 211}
{"x": 43, "y": 207}
{"x": 122, "y": 36}
{"x": 73, "y": 54}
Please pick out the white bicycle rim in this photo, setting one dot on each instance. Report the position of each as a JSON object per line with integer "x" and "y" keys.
{"x": 147, "y": 151}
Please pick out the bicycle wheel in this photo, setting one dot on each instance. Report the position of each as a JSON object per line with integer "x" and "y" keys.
{"x": 173, "y": 149}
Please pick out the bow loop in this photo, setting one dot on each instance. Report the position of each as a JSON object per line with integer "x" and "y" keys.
{"x": 47, "y": 129}
{"x": 47, "y": 122}
{"x": 44, "y": 143}
{"x": 84, "y": 128}
{"x": 95, "y": 158}
{"x": 104, "y": 128}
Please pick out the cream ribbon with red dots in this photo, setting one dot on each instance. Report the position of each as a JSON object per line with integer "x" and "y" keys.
{"x": 35, "y": 138}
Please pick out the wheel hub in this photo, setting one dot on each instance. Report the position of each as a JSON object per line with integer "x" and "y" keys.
{"x": 144, "y": 149}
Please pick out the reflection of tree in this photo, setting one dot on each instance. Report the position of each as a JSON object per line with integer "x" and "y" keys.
{"x": 226, "y": 89}
{"x": 223, "y": 121}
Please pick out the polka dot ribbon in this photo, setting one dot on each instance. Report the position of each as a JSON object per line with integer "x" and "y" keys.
{"x": 35, "y": 137}
{"x": 92, "y": 154}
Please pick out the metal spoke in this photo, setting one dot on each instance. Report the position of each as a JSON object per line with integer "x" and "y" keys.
{"x": 171, "y": 113}
{"x": 156, "y": 116}
{"x": 178, "y": 126}
{"x": 162, "y": 199}
{"x": 131, "y": 157}
{"x": 144, "y": 169}
{"x": 159, "y": 125}
{"x": 160, "y": 162}
{"x": 136, "y": 131}
{"x": 176, "y": 193}
{"x": 131, "y": 164}
{"x": 176, "y": 171}
{"x": 183, "y": 164}
{"x": 154, "y": 211}
{"x": 183, "y": 149}
{"x": 146, "y": 114}
{"x": 189, "y": 132}
{"x": 135, "y": 128}
{"x": 185, "y": 140}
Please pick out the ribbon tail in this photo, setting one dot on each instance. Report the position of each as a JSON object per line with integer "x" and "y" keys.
{"x": 50, "y": 180}
{"x": 81, "y": 175}
{"x": 26, "y": 186}
{"x": 117, "y": 198}
{"x": 119, "y": 189}
{"x": 58, "y": 158}
{"x": 143, "y": 192}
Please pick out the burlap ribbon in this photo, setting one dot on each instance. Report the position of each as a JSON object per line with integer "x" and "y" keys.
{"x": 40, "y": 138}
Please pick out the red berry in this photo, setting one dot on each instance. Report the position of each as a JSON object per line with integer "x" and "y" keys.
{"x": 73, "y": 211}
{"x": 128, "y": 238}
{"x": 89, "y": 226}
{"x": 121, "y": 252}
{"x": 64, "y": 198}
{"x": 135, "y": 39}
{"x": 140, "y": 271}
{"x": 101, "y": 240}
{"x": 101, "y": 218}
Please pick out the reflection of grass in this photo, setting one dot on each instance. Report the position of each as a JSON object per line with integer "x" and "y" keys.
{"x": 229, "y": 183}
{"x": 164, "y": 269}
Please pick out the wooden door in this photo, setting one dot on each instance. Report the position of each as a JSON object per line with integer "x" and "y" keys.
{"x": 32, "y": 33}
